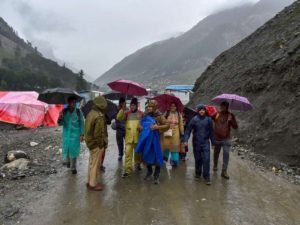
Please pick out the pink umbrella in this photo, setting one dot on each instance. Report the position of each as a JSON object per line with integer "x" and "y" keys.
{"x": 128, "y": 87}
{"x": 22, "y": 108}
{"x": 165, "y": 100}
{"x": 236, "y": 102}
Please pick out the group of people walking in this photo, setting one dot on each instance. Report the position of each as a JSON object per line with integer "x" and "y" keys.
{"x": 149, "y": 137}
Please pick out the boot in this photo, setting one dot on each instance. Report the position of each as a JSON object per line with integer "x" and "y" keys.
{"x": 225, "y": 175}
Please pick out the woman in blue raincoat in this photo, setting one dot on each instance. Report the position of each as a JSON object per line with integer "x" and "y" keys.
{"x": 72, "y": 121}
{"x": 153, "y": 124}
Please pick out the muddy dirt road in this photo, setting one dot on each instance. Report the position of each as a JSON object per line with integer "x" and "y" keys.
{"x": 249, "y": 197}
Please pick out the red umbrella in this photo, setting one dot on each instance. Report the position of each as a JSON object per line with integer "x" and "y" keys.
{"x": 164, "y": 101}
{"x": 128, "y": 87}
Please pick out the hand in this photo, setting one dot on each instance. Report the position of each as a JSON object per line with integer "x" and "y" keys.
{"x": 140, "y": 128}
{"x": 186, "y": 144}
{"x": 154, "y": 127}
{"x": 229, "y": 117}
{"x": 81, "y": 138}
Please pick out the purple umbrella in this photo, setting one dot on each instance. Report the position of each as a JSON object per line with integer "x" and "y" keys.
{"x": 236, "y": 102}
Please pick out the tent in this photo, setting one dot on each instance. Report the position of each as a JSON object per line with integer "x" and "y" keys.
{"x": 24, "y": 109}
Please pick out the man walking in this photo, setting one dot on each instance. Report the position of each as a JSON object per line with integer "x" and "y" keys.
{"x": 132, "y": 125}
{"x": 96, "y": 140}
{"x": 223, "y": 122}
{"x": 120, "y": 129}
{"x": 72, "y": 121}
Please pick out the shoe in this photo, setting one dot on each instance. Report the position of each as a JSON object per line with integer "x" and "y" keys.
{"x": 156, "y": 180}
{"x": 197, "y": 177}
{"x": 98, "y": 187}
{"x": 125, "y": 175}
{"x": 68, "y": 164}
{"x": 120, "y": 158}
{"x": 207, "y": 182}
{"x": 74, "y": 171}
{"x": 102, "y": 169}
{"x": 224, "y": 175}
{"x": 147, "y": 177}
{"x": 138, "y": 168}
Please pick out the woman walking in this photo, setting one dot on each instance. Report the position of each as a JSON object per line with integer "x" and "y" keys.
{"x": 172, "y": 137}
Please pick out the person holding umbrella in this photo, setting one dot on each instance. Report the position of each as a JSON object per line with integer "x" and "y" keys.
{"x": 132, "y": 126}
{"x": 96, "y": 141}
{"x": 223, "y": 122}
{"x": 202, "y": 127}
{"x": 72, "y": 121}
{"x": 172, "y": 137}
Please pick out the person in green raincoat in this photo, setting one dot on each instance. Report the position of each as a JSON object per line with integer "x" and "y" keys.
{"x": 72, "y": 121}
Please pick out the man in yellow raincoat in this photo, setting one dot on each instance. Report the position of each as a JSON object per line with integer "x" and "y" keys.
{"x": 132, "y": 129}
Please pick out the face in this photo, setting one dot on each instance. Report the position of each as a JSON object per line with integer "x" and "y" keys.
{"x": 173, "y": 108}
{"x": 72, "y": 104}
{"x": 149, "y": 109}
{"x": 133, "y": 107}
{"x": 223, "y": 108}
{"x": 202, "y": 112}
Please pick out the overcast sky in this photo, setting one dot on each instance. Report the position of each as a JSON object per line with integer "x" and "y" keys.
{"x": 93, "y": 35}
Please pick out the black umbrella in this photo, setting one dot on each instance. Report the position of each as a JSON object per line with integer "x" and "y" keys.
{"x": 188, "y": 114}
{"x": 110, "y": 114}
{"x": 58, "y": 95}
{"x": 113, "y": 95}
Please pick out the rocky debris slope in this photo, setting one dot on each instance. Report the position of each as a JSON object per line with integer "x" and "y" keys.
{"x": 265, "y": 67}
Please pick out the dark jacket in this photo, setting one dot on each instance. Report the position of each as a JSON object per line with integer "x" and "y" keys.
{"x": 202, "y": 127}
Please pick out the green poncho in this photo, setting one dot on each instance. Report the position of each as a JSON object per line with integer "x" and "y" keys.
{"x": 73, "y": 127}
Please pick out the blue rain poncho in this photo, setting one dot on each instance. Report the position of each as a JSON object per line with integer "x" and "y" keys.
{"x": 149, "y": 143}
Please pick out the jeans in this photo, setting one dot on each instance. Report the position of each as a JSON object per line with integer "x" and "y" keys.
{"x": 202, "y": 160}
{"x": 225, "y": 145}
{"x": 120, "y": 136}
{"x": 156, "y": 171}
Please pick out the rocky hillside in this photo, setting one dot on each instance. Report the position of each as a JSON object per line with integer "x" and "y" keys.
{"x": 182, "y": 59}
{"x": 265, "y": 67}
{"x": 22, "y": 66}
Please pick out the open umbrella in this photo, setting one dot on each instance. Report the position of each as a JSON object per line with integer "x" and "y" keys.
{"x": 58, "y": 95}
{"x": 164, "y": 101}
{"x": 110, "y": 114}
{"x": 236, "y": 102}
{"x": 128, "y": 87}
{"x": 113, "y": 95}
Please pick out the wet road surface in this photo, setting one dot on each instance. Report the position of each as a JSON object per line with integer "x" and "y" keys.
{"x": 249, "y": 197}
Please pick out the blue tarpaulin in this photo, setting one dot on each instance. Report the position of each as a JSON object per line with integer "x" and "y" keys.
{"x": 180, "y": 87}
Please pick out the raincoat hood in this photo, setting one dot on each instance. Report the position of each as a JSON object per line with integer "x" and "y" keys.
{"x": 100, "y": 103}
{"x": 200, "y": 106}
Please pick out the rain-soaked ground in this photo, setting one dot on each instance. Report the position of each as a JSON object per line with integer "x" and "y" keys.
{"x": 249, "y": 197}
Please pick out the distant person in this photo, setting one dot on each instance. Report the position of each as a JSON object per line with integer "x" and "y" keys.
{"x": 202, "y": 127}
{"x": 161, "y": 126}
{"x": 96, "y": 140}
{"x": 72, "y": 121}
{"x": 172, "y": 137}
{"x": 120, "y": 129}
{"x": 223, "y": 122}
{"x": 132, "y": 126}
{"x": 183, "y": 148}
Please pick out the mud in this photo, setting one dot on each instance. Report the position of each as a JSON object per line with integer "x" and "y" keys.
{"x": 251, "y": 196}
